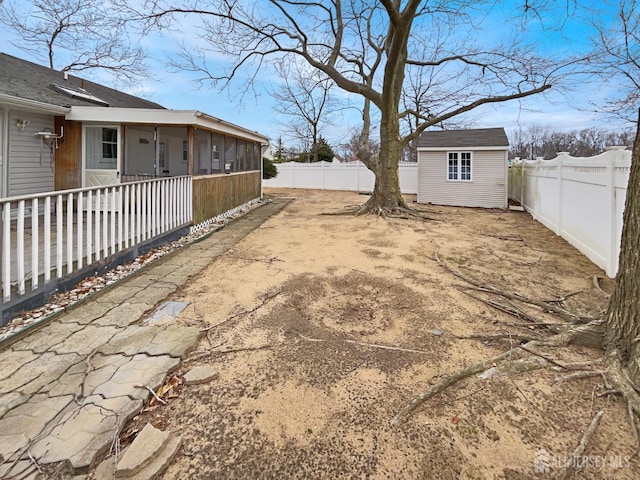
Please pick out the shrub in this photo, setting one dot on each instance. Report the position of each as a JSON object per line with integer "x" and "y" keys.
{"x": 269, "y": 170}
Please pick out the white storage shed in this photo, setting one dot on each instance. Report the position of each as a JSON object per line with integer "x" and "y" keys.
{"x": 466, "y": 168}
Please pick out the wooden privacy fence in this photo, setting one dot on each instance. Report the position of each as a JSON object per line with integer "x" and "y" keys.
{"x": 216, "y": 194}
{"x": 48, "y": 236}
{"x": 352, "y": 176}
{"x": 580, "y": 199}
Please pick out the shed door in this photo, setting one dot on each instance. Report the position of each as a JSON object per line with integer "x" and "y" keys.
{"x": 101, "y": 156}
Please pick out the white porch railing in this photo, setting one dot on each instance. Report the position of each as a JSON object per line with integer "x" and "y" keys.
{"x": 50, "y": 235}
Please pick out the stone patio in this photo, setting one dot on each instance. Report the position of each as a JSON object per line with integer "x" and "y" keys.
{"x": 68, "y": 388}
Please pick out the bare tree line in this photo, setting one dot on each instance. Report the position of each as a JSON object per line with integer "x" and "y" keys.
{"x": 535, "y": 141}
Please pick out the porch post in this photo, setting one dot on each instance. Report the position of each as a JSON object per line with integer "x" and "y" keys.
{"x": 190, "y": 131}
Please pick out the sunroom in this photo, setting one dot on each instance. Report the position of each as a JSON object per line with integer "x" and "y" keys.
{"x": 124, "y": 180}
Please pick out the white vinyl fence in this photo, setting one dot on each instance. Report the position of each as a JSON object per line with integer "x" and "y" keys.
{"x": 580, "y": 199}
{"x": 50, "y": 235}
{"x": 352, "y": 176}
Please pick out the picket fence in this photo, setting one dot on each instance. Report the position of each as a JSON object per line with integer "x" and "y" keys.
{"x": 580, "y": 199}
{"x": 351, "y": 176}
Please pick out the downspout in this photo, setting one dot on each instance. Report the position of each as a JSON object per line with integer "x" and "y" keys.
{"x": 263, "y": 149}
{"x": 156, "y": 149}
{"x": 4, "y": 151}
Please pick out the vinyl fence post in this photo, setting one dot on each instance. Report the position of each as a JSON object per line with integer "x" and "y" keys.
{"x": 612, "y": 260}
{"x": 536, "y": 198}
{"x": 522, "y": 184}
{"x": 559, "y": 167}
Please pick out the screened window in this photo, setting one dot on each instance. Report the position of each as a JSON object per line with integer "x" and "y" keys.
{"x": 242, "y": 155}
{"x": 256, "y": 155}
{"x": 459, "y": 166}
{"x": 230, "y": 158}
{"x": 202, "y": 152}
{"x": 217, "y": 149}
{"x": 250, "y": 161}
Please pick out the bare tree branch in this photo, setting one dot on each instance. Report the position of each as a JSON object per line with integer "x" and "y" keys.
{"x": 402, "y": 59}
{"x": 77, "y": 35}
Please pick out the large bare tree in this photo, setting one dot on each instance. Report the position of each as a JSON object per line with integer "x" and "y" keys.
{"x": 369, "y": 49}
{"x": 76, "y": 35}
{"x": 303, "y": 96}
{"x": 617, "y": 60}
{"x": 622, "y": 320}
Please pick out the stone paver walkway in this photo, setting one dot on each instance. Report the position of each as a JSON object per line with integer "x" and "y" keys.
{"x": 68, "y": 388}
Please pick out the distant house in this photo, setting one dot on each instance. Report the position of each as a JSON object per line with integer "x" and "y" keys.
{"x": 463, "y": 167}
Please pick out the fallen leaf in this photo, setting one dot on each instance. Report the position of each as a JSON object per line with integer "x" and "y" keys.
{"x": 164, "y": 389}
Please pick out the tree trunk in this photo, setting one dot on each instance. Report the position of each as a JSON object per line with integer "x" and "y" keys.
{"x": 386, "y": 197}
{"x": 623, "y": 314}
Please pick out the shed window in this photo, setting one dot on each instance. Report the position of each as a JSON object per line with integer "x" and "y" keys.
{"x": 459, "y": 166}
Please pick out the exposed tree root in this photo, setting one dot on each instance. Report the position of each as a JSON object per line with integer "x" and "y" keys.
{"x": 212, "y": 352}
{"x": 507, "y": 307}
{"x": 619, "y": 380}
{"x": 579, "y": 375}
{"x": 453, "y": 378}
{"x": 498, "y": 336}
{"x": 634, "y": 427}
{"x": 398, "y": 210}
{"x": 580, "y": 331}
{"x": 574, "y": 466}
{"x": 503, "y": 363}
{"x": 529, "y": 326}
{"x": 546, "y": 306}
{"x": 265, "y": 299}
{"x": 509, "y": 238}
{"x": 350, "y": 211}
{"x": 596, "y": 285}
{"x": 364, "y": 344}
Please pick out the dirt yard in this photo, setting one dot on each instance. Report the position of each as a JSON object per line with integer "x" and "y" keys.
{"x": 329, "y": 325}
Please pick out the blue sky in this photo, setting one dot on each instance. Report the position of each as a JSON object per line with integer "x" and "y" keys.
{"x": 176, "y": 90}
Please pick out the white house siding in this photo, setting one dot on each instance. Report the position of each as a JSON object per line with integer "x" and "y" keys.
{"x": 487, "y": 188}
{"x": 30, "y": 168}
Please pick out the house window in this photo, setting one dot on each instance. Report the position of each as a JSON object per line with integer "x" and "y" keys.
{"x": 459, "y": 166}
{"x": 109, "y": 143}
{"x": 162, "y": 154}
{"x": 101, "y": 148}
{"x": 185, "y": 151}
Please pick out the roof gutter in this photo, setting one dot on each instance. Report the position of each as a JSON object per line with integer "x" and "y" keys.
{"x": 462, "y": 147}
{"x": 33, "y": 105}
{"x": 210, "y": 118}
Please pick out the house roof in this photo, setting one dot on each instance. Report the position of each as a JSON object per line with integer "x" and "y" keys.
{"x": 478, "y": 137}
{"x": 36, "y": 87}
{"x": 29, "y": 81}
{"x": 145, "y": 116}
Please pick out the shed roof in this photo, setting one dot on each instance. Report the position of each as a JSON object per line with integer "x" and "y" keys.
{"x": 477, "y": 137}
{"x": 30, "y": 81}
